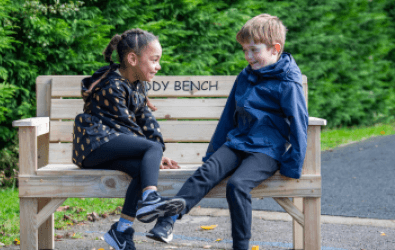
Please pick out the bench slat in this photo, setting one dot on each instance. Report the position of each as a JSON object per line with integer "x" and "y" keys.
{"x": 60, "y": 153}
{"x": 173, "y": 131}
{"x": 167, "y": 108}
{"x": 161, "y": 86}
{"x": 67, "y": 181}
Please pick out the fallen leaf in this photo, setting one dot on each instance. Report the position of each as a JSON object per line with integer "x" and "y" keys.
{"x": 218, "y": 239}
{"x": 90, "y": 218}
{"x": 104, "y": 215}
{"x": 208, "y": 227}
{"x": 100, "y": 249}
{"x": 382, "y": 234}
{"x": 62, "y": 208}
{"x": 382, "y": 132}
{"x": 17, "y": 242}
{"x": 58, "y": 236}
{"x": 255, "y": 248}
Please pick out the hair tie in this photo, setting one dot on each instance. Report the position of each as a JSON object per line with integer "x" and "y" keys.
{"x": 113, "y": 66}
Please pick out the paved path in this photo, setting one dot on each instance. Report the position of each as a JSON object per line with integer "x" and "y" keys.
{"x": 358, "y": 180}
{"x": 270, "y": 231}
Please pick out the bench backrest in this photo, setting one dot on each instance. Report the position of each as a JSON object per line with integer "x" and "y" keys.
{"x": 188, "y": 111}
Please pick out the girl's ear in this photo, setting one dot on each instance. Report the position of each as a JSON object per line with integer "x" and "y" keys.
{"x": 132, "y": 59}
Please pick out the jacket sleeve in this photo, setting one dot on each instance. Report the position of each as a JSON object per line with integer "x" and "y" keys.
{"x": 224, "y": 125}
{"x": 150, "y": 125}
{"x": 294, "y": 107}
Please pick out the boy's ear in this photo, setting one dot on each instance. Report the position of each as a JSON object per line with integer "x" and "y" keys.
{"x": 132, "y": 59}
{"x": 277, "y": 46}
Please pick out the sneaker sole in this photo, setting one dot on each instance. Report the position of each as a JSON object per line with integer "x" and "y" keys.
{"x": 150, "y": 213}
{"x": 110, "y": 241}
{"x": 158, "y": 238}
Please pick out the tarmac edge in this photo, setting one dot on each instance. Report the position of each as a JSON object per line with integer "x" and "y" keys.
{"x": 282, "y": 216}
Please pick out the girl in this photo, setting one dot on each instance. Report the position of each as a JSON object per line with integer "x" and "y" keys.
{"x": 117, "y": 131}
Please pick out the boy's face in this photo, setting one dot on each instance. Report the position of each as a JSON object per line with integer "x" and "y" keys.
{"x": 258, "y": 55}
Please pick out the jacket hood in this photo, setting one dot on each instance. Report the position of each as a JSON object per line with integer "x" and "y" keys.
{"x": 89, "y": 80}
{"x": 285, "y": 69}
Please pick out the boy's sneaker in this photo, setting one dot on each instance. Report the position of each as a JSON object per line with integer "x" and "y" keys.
{"x": 162, "y": 231}
{"x": 155, "y": 206}
{"x": 119, "y": 240}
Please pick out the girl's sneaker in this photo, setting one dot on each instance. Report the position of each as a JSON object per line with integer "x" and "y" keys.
{"x": 119, "y": 240}
{"x": 155, "y": 206}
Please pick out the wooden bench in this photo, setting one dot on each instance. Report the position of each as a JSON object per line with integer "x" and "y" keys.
{"x": 47, "y": 176}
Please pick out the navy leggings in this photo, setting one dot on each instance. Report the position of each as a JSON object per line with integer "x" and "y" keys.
{"x": 247, "y": 170}
{"x": 137, "y": 157}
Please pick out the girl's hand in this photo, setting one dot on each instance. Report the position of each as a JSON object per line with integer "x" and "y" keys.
{"x": 150, "y": 105}
{"x": 168, "y": 163}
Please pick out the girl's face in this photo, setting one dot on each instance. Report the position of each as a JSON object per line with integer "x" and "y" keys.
{"x": 258, "y": 55}
{"x": 148, "y": 62}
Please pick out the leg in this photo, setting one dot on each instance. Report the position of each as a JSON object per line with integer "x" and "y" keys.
{"x": 297, "y": 232}
{"x": 255, "y": 168}
{"x": 220, "y": 165}
{"x": 29, "y": 233}
{"x": 46, "y": 234}
{"x": 312, "y": 223}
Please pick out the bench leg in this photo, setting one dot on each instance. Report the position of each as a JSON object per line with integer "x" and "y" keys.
{"x": 46, "y": 235}
{"x": 297, "y": 232}
{"x": 28, "y": 212}
{"x": 312, "y": 223}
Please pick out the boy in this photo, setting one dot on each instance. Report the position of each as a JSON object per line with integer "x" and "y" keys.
{"x": 265, "y": 112}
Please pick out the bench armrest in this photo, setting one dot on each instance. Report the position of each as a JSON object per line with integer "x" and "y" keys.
{"x": 317, "y": 121}
{"x": 41, "y": 123}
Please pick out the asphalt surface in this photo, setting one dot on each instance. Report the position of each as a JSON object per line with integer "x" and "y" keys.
{"x": 267, "y": 234}
{"x": 358, "y": 180}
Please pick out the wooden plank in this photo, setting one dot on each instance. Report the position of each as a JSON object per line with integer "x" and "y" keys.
{"x": 60, "y": 153}
{"x": 29, "y": 233}
{"x": 312, "y": 162}
{"x": 172, "y": 131}
{"x": 291, "y": 209}
{"x": 48, "y": 210}
{"x": 161, "y": 86}
{"x": 27, "y": 150}
{"x": 46, "y": 232}
{"x": 43, "y": 95}
{"x": 110, "y": 183}
{"x": 180, "y": 131}
{"x": 297, "y": 232}
{"x": 167, "y": 108}
{"x": 312, "y": 223}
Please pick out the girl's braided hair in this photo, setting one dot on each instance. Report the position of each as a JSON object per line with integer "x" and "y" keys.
{"x": 134, "y": 40}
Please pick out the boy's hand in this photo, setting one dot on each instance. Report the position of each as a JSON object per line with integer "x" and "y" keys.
{"x": 150, "y": 105}
{"x": 168, "y": 163}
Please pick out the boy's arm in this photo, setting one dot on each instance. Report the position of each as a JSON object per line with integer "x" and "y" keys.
{"x": 294, "y": 106}
{"x": 224, "y": 125}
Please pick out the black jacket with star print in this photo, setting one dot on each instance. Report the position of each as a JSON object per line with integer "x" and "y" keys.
{"x": 114, "y": 106}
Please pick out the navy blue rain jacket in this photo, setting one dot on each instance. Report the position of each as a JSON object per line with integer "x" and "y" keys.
{"x": 265, "y": 112}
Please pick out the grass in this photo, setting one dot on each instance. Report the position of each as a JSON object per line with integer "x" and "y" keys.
{"x": 80, "y": 207}
{"x": 77, "y": 212}
{"x": 333, "y": 138}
